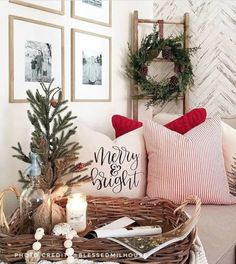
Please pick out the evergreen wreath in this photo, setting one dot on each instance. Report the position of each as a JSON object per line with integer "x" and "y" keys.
{"x": 169, "y": 88}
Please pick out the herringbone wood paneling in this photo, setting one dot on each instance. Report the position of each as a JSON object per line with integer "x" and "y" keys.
{"x": 213, "y": 27}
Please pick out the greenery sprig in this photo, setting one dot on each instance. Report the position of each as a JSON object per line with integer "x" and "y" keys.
{"x": 169, "y": 88}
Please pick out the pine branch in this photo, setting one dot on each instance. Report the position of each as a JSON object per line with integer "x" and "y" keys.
{"x": 78, "y": 180}
{"x": 58, "y": 111}
{"x": 34, "y": 121}
{"x": 24, "y": 180}
{"x": 44, "y": 87}
{"x": 22, "y": 156}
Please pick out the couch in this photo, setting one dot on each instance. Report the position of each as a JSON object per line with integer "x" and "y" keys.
{"x": 217, "y": 225}
{"x": 217, "y": 232}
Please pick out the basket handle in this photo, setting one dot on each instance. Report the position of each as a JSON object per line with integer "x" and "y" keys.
{"x": 189, "y": 224}
{"x": 3, "y": 219}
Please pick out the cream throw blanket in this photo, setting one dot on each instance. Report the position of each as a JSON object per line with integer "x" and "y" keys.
{"x": 197, "y": 254}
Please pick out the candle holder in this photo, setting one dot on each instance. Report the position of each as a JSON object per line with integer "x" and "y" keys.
{"x": 76, "y": 211}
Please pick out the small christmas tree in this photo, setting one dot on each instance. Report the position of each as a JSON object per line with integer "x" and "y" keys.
{"x": 53, "y": 128}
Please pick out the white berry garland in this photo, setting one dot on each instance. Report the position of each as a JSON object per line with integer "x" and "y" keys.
{"x": 66, "y": 230}
{"x": 60, "y": 229}
{"x": 38, "y": 236}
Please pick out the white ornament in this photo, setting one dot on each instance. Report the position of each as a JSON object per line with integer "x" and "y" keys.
{"x": 32, "y": 257}
{"x": 44, "y": 262}
{"x": 57, "y": 230}
{"x": 74, "y": 233}
{"x": 36, "y": 246}
{"x": 38, "y": 235}
{"x": 69, "y": 252}
{"x": 68, "y": 243}
{"x": 62, "y": 229}
{"x": 70, "y": 259}
{"x": 40, "y": 230}
{"x": 69, "y": 236}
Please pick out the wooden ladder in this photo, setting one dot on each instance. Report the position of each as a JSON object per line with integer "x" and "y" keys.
{"x": 135, "y": 47}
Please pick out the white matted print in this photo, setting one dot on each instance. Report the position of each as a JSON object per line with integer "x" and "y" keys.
{"x": 91, "y": 66}
{"x": 95, "y": 11}
{"x": 53, "y": 6}
{"x": 36, "y": 54}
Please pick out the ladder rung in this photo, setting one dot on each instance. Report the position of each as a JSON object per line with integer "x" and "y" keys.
{"x": 150, "y": 97}
{"x": 154, "y": 21}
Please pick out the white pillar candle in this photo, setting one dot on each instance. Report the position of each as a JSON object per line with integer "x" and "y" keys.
{"x": 76, "y": 212}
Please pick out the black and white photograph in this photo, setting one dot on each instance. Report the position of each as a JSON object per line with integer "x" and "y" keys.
{"x": 93, "y": 11}
{"x": 36, "y": 53}
{"x": 38, "y": 61}
{"x": 97, "y": 3}
{"x": 92, "y": 67}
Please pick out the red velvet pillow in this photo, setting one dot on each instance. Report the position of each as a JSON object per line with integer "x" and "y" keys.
{"x": 123, "y": 125}
{"x": 182, "y": 125}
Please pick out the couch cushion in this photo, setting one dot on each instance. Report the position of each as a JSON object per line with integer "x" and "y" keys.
{"x": 182, "y": 165}
{"x": 119, "y": 166}
{"x": 217, "y": 232}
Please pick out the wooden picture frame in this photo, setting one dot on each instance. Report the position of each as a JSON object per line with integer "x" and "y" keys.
{"x": 40, "y": 6}
{"x": 90, "y": 67}
{"x": 94, "y": 11}
{"x": 36, "y": 53}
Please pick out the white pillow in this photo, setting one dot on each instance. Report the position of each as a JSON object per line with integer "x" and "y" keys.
{"x": 119, "y": 166}
{"x": 229, "y": 146}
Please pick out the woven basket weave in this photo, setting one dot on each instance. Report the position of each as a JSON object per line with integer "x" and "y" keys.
{"x": 103, "y": 210}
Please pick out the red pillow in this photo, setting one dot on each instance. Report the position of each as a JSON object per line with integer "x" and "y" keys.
{"x": 182, "y": 125}
{"x": 123, "y": 125}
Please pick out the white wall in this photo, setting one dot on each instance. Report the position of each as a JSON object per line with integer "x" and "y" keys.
{"x": 13, "y": 119}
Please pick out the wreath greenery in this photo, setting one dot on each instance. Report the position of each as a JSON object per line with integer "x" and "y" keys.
{"x": 168, "y": 88}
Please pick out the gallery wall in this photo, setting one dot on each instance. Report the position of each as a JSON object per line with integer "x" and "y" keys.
{"x": 13, "y": 118}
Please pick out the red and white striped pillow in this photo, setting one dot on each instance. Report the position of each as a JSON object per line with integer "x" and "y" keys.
{"x": 180, "y": 165}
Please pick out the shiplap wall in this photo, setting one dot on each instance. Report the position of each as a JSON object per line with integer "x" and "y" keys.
{"x": 213, "y": 27}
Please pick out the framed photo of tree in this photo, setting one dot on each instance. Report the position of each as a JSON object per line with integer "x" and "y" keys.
{"x": 36, "y": 53}
{"x": 91, "y": 67}
{"x": 94, "y": 11}
{"x": 52, "y": 6}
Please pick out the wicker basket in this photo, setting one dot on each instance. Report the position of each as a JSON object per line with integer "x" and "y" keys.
{"x": 106, "y": 209}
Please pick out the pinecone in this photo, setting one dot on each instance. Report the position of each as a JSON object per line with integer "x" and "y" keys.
{"x": 54, "y": 103}
{"x": 174, "y": 81}
{"x": 167, "y": 54}
{"x": 144, "y": 69}
{"x": 42, "y": 141}
{"x": 154, "y": 53}
{"x": 179, "y": 68}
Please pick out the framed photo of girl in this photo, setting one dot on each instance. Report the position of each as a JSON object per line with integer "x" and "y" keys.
{"x": 94, "y": 11}
{"x": 36, "y": 53}
{"x": 52, "y": 6}
{"x": 91, "y": 67}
